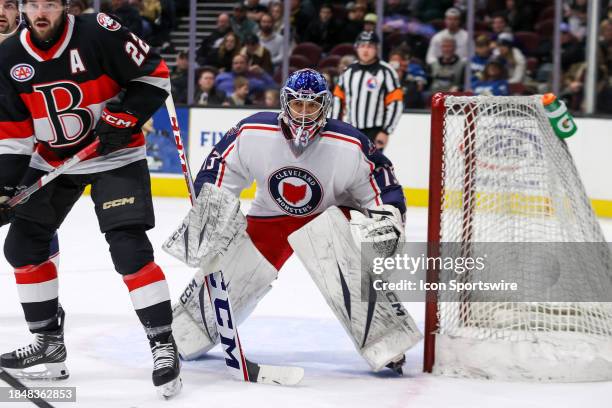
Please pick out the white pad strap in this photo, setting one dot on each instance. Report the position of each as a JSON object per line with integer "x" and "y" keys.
{"x": 381, "y": 329}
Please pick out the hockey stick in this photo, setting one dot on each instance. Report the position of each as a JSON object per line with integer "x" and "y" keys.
{"x": 53, "y": 174}
{"x": 17, "y": 385}
{"x": 235, "y": 360}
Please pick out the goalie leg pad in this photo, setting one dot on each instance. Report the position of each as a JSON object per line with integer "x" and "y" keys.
{"x": 248, "y": 276}
{"x": 381, "y": 329}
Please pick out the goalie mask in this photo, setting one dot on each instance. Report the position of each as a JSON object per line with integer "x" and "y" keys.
{"x": 305, "y": 102}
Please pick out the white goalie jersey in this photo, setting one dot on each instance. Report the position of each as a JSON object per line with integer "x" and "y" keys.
{"x": 340, "y": 168}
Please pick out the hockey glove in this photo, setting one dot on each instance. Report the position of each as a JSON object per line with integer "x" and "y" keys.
{"x": 115, "y": 129}
{"x": 6, "y": 212}
{"x": 382, "y": 228}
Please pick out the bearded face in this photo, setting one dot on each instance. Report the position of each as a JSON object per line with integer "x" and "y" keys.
{"x": 45, "y": 17}
{"x": 9, "y": 16}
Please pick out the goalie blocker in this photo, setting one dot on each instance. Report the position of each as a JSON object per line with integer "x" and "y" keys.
{"x": 380, "y": 334}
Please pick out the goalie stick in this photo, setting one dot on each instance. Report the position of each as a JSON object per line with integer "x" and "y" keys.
{"x": 17, "y": 385}
{"x": 235, "y": 360}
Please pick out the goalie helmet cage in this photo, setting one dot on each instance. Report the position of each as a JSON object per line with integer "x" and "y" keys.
{"x": 499, "y": 174}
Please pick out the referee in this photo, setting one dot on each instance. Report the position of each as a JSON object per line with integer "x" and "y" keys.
{"x": 368, "y": 94}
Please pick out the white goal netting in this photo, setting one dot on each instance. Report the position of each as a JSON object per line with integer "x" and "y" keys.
{"x": 510, "y": 190}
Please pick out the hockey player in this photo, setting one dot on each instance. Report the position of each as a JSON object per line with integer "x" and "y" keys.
{"x": 9, "y": 18}
{"x": 65, "y": 81}
{"x": 303, "y": 164}
{"x": 9, "y": 180}
{"x": 9, "y": 21}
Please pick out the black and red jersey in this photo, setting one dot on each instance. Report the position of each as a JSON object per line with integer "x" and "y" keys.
{"x": 55, "y": 97}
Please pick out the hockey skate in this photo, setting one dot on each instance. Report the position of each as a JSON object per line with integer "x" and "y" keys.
{"x": 166, "y": 367}
{"x": 44, "y": 359}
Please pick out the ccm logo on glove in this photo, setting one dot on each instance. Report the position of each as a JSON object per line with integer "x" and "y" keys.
{"x": 115, "y": 128}
{"x": 120, "y": 120}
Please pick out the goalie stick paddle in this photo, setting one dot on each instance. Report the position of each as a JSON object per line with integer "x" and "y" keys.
{"x": 16, "y": 384}
{"x": 275, "y": 375}
{"x": 53, "y": 174}
{"x": 235, "y": 360}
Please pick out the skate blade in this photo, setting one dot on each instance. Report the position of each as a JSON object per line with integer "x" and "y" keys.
{"x": 43, "y": 372}
{"x": 170, "y": 389}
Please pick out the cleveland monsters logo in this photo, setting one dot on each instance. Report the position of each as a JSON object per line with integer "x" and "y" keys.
{"x": 296, "y": 191}
{"x": 69, "y": 122}
{"x": 504, "y": 148}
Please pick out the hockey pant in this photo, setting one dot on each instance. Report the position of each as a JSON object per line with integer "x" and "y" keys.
{"x": 30, "y": 235}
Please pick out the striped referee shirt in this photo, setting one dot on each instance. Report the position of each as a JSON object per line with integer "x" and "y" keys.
{"x": 369, "y": 96}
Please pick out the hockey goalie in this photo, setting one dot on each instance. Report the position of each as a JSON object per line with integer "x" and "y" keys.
{"x": 323, "y": 190}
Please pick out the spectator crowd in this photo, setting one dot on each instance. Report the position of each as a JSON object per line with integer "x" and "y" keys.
{"x": 239, "y": 62}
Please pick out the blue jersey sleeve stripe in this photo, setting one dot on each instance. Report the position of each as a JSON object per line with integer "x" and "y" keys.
{"x": 263, "y": 118}
{"x": 394, "y": 195}
{"x": 382, "y": 179}
{"x": 209, "y": 171}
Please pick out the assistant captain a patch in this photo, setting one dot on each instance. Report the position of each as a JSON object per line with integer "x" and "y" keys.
{"x": 296, "y": 191}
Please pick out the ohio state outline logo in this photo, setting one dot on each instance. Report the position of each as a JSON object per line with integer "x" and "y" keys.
{"x": 22, "y": 72}
{"x": 296, "y": 191}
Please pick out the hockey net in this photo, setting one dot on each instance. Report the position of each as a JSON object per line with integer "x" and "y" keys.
{"x": 498, "y": 174}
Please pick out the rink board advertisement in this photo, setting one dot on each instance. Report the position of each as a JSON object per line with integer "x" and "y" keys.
{"x": 207, "y": 127}
{"x": 162, "y": 156}
{"x": 408, "y": 150}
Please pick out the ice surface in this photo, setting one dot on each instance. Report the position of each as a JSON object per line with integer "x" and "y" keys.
{"x": 110, "y": 362}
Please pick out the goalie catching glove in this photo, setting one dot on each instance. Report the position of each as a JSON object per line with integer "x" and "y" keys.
{"x": 115, "y": 128}
{"x": 381, "y": 227}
